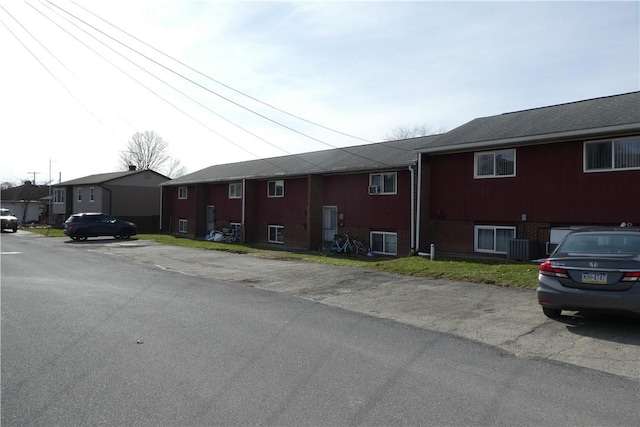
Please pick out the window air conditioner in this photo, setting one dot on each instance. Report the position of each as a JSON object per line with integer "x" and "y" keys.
{"x": 374, "y": 189}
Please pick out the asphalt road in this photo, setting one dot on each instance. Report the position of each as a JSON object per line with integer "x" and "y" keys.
{"x": 111, "y": 333}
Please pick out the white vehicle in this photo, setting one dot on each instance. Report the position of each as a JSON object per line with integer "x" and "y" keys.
{"x": 8, "y": 220}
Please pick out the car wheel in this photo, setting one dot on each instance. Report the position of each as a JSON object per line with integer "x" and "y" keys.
{"x": 125, "y": 235}
{"x": 81, "y": 235}
{"x": 551, "y": 313}
{"x": 15, "y": 229}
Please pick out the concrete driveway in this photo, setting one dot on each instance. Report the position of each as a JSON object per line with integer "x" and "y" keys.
{"x": 507, "y": 318}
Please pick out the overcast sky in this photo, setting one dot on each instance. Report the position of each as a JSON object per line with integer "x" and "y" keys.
{"x": 79, "y": 78}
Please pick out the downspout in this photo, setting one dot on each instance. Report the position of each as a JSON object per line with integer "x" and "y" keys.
{"x": 413, "y": 212}
{"x": 419, "y": 204}
{"x": 244, "y": 195}
{"x": 161, "y": 208}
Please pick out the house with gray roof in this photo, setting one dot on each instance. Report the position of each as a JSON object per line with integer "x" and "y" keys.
{"x": 132, "y": 195}
{"x": 28, "y": 202}
{"x": 514, "y": 184}
{"x": 299, "y": 200}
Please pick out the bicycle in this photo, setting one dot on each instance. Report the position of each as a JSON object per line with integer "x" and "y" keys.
{"x": 339, "y": 244}
{"x": 361, "y": 247}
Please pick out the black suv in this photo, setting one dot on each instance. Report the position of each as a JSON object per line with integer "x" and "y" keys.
{"x": 82, "y": 225}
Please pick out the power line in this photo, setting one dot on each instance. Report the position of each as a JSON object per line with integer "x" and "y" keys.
{"x": 79, "y": 41}
{"x": 159, "y": 96}
{"x": 219, "y": 82}
{"x": 198, "y": 84}
{"x": 53, "y": 75}
{"x": 208, "y": 90}
{"x": 174, "y": 72}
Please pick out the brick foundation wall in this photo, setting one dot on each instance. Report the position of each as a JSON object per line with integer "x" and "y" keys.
{"x": 457, "y": 237}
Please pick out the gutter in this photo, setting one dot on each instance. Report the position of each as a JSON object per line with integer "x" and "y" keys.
{"x": 244, "y": 199}
{"x": 413, "y": 211}
{"x": 528, "y": 140}
{"x": 419, "y": 204}
{"x": 161, "y": 209}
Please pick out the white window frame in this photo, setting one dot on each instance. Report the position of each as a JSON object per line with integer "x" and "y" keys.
{"x": 183, "y": 193}
{"x": 235, "y": 190}
{"x": 79, "y": 193}
{"x": 384, "y": 242}
{"x": 494, "y": 154}
{"x": 92, "y": 194}
{"x": 275, "y": 227}
{"x": 183, "y": 226}
{"x": 58, "y": 196}
{"x": 613, "y": 166}
{"x": 494, "y": 228}
{"x": 278, "y": 183}
{"x": 377, "y": 183}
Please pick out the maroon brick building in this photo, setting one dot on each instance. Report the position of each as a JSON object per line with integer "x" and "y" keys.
{"x": 511, "y": 183}
{"x": 299, "y": 200}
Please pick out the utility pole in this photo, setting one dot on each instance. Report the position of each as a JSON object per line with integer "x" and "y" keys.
{"x": 34, "y": 177}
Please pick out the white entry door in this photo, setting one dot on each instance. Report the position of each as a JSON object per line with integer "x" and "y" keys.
{"x": 329, "y": 222}
{"x": 211, "y": 218}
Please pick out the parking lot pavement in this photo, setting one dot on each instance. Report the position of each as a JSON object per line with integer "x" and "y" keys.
{"x": 507, "y": 318}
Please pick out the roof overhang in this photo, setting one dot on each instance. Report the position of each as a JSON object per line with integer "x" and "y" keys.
{"x": 621, "y": 130}
{"x": 261, "y": 177}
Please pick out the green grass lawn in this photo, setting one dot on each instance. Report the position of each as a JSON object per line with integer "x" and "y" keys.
{"x": 495, "y": 272}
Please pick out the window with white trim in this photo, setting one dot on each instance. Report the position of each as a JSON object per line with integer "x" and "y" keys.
{"x": 80, "y": 195}
{"x": 275, "y": 188}
{"x": 58, "y": 195}
{"x": 92, "y": 194}
{"x": 383, "y": 183}
{"x": 182, "y": 226}
{"x": 622, "y": 153}
{"x": 493, "y": 239}
{"x": 276, "y": 234}
{"x": 383, "y": 242}
{"x": 495, "y": 164}
{"x": 235, "y": 190}
{"x": 182, "y": 193}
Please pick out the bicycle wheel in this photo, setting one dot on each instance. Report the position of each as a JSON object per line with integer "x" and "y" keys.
{"x": 366, "y": 249}
{"x": 359, "y": 247}
{"x": 325, "y": 248}
{"x": 351, "y": 249}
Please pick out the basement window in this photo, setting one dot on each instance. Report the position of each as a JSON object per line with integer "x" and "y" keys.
{"x": 493, "y": 239}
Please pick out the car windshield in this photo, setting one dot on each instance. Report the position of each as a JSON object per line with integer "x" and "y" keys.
{"x": 601, "y": 243}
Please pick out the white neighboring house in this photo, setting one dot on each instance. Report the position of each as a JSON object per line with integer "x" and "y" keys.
{"x": 28, "y": 202}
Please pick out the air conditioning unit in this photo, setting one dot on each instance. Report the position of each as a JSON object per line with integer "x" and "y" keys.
{"x": 522, "y": 249}
{"x": 374, "y": 189}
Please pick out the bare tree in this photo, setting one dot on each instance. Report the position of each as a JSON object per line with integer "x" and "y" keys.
{"x": 174, "y": 169}
{"x": 6, "y": 185}
{"x": 148, "y": 150}
{"x": 406, "y": 132}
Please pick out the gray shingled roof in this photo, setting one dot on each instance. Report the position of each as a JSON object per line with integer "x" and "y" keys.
{"x": 379, "y": 156}
{"x": 589, "y": 117}
{"x": 100, "y": 178}
{"x": 24, "y": 192}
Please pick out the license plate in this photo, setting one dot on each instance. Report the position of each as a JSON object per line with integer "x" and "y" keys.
{"x": 594, "y": 278}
